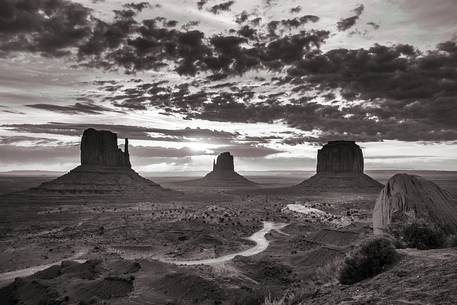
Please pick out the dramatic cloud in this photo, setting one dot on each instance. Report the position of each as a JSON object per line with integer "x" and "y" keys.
{"x": 250, "y": 64}
{"x": 124, "y": 131}
{"x": 86, "y": 108}
{"x": 8, "y": 140}
{"x": 45, "y": 26}
{"x": 347, "y": 23}
{"x": 225, "y": 6}
{"x": 384, "y": 93}
{"x": 54, "y": 27}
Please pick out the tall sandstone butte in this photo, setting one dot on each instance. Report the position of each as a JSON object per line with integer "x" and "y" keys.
{"x": 223, "y": 175}
{"x": 340, "y": 157}
{"x": 340, "y": 167}
{"x": 104, "y": 169}
{"x": 224, "y": 162}
{"x": 99, "y": 147}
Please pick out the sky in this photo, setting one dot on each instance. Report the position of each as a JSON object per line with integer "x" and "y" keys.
{"x": 270, "y": 81}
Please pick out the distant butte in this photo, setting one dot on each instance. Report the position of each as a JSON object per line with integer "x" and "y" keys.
{"x": 340, "y": 167}
{"x": 340, "y": 157}
{"x": 222, "y": 175}
{"x": 105, "y": 169}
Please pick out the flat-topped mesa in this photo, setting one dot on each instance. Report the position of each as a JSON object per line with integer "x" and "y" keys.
{"x": 340, "y": 168}
{"x": 99, "y": 148}
{"x": 224, "y": 162}
{"x": 340, "y": 157}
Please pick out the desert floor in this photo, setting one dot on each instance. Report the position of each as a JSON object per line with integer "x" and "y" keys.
{"x": 126, "y": 251}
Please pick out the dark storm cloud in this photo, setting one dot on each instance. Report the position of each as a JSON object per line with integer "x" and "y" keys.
{"x": 55, "y": 27}
{"x": 347, "y": 23}
{"x": 407, "y": 95}
{"x": 125, "y": 131}
{"x": 45, "y": 26}
{"x": 137, "y": 6}
{"x": 221, "y": 7}
{"x": 296, "y": 9}
{"x": 77, "y": 108}
{"x": 201, "y": 3}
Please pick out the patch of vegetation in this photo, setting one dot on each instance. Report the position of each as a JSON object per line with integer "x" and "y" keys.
{"x": 452, "y": 241}
{"x": 370, "y": 259}
{"x": 422, "y": 235}
{"x": 292, "y": 297}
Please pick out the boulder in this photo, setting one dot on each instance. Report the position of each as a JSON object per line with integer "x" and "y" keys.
{"x": 408, "y": 197}
{"x": 99, "y": 147}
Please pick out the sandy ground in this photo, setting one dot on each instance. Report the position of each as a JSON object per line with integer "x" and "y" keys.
{"x": 124, "y": 246}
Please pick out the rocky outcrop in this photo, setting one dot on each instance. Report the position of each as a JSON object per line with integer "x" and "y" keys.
{"x": 99, "y": 147}
{"x": 223, "y": 175}
{"x": 340, "y": 157}
{"x": 407, "y": 197}
{"x": 340, "y": 167}
{"x": 224, "y": 162}
{"x": 105, "y": 169}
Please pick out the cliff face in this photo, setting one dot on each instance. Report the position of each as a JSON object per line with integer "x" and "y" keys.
{"x": 99, "y": 147}
{"x": 340, "y": 157}
{"x": 224, "y": 162}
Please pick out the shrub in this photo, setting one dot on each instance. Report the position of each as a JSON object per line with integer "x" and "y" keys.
{"x": 370, "y": 259}
{"x": 422, "y": 235}
{"x": 452, "y": 241}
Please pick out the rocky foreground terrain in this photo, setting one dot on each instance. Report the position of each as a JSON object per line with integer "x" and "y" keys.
{"x": 421, "y": 277}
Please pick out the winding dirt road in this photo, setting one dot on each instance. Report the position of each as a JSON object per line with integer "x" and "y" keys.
{"x": 258, "y": 237}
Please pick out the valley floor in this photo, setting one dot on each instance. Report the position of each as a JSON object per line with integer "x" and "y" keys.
{"x": 123, "y": 248}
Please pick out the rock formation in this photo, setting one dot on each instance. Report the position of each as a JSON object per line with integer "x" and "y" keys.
{"x": 104, "y": 169}
{"x": 100, "y": 148}
{"x": 340, "y": 168}
{"x": 340, "y": 157}
{"x": 407, "y": 197}
{"x": 222, "y": 175}
{"x": 224, "y": 162}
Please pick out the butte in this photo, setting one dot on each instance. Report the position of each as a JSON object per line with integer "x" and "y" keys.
{"x": 105, "y": 170}
{"x": 340, "y": 167}
{"x": 223, "y": 175}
